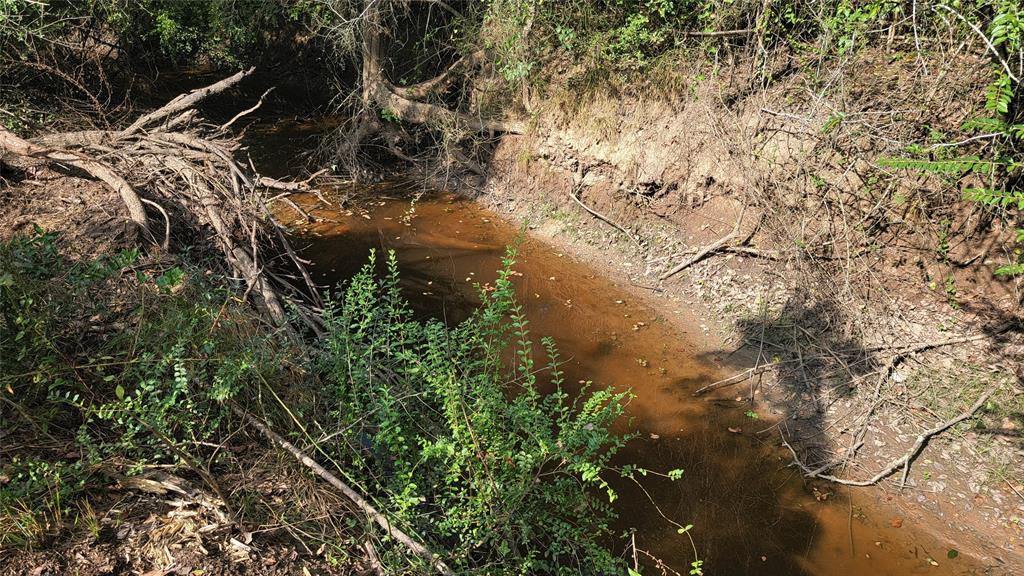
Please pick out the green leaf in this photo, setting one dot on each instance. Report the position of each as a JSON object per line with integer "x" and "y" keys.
{"x": 1010, "y": 270}
{"x": 170, "y": 279}
{"x": 953, "y": 553}
{"x": 119, "y": 392}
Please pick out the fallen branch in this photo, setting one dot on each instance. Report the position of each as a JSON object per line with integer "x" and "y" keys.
{"x": 184, "y": 102}
{"x": 703, "y": 252}
{"x": 416, "y": 112}
{"x": 736, "y": 378}
{"x": 883, "y": 376}
{"x": 357, "y": 499}
{"x": 136, "y": 211}
{"x": 904, "y": 460}
{"x": 300, "y": 186}
{"x": 247, "y": 111}
{"x": 444, "y": 80}
{"x": 574, "y": 194}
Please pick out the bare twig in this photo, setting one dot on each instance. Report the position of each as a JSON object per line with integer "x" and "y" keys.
{"x": 166, "y": 244}
{"x": 736, "y": 378}
{"x": 247, "y": 111}
{"x": 574, "y": 194}
{"x": 710, "y": 248}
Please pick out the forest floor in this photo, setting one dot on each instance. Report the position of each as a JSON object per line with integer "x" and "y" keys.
{"x": 169, "y": 519}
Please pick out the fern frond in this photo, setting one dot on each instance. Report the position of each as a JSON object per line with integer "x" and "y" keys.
{"x": 990, "y": 197}
{"x": 953, "y": 166}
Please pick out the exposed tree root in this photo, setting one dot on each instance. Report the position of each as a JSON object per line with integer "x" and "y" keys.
{"x": 411, "y": 104}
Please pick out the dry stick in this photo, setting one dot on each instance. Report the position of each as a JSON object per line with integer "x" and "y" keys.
{"x": 381, "y": 520}
{"x": 184, "y": 102}
{"x": 718, "y": 245}
{"x": 719, "y": 34}
{"x": 574, "y": 195}
{"x": 255, "y": 106}
{"x": 238, "y": 257}
{"x": 291, "y": 204}
{"x": 166, "y": 244}
{"x": 374, "y": 560}
{"x": 278, "y": 228}
{"x": 276, "y": 184}
{"x": 904, "y": 460}
{"x": 736, "y": 378}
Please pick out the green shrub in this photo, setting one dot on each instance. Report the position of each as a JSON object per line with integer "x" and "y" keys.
{"x": 120, "y": 368}
{"x": 450, "y": 429}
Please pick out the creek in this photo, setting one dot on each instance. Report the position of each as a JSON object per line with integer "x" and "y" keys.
{"x": 752, "y": 513}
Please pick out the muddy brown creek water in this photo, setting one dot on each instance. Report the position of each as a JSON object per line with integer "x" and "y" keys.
{"x": 752, "y": 513}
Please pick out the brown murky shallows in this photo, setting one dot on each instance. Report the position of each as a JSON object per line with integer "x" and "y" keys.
{"x": 751, "y": 512}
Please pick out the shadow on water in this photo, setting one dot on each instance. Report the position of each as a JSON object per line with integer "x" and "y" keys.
{"x": 752, "y": 513}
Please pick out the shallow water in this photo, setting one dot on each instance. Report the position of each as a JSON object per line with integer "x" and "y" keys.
{"x": 752, "y": 513}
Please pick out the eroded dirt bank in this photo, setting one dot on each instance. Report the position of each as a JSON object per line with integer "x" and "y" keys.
{"x": 751, "y": 513}
{"x": 831, "y": 289}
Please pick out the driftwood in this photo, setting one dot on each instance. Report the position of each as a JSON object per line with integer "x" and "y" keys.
{"x": 184, "y": 169}
{"x": 415, "y": 547}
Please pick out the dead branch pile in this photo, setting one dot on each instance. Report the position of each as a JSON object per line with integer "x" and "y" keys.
{"x": 185, "y": 171}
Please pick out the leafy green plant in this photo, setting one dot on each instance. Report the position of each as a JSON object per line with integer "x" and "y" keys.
{"x": 131, "y": 371}
{"x": 463, "y": 445}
